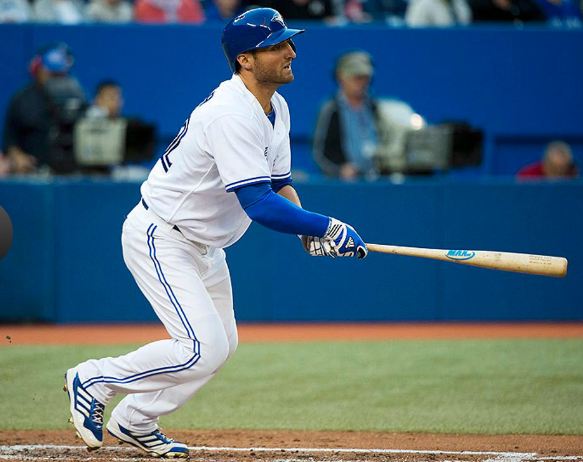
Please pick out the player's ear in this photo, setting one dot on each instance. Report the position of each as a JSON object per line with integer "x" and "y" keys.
{"x": 245, "y": 61}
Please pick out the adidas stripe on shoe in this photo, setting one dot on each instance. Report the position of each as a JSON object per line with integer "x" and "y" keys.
{"x": 86, "y": 411}
{"x": 155, "y": 443}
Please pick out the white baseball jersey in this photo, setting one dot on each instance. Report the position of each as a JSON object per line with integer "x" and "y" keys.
{"x": 227, "y": 142}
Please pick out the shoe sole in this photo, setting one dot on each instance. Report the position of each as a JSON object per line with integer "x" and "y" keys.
{"x": 91, "y": 442}
{"x": 125, "y": 439}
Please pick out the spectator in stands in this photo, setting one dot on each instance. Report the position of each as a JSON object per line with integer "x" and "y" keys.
{"x": 353, "y": 11}
{"x": 59, "y": 11}
{"x": 517, "y": 11}
{"x": 40, "y": 116}
{"x": 108, "y": 142}
{"x": 557, "y": 163}
{"x": 108, "y": 101}
{"x": 424, "y": 13}
{"x": 562, "y": 12}
{"x": 305, "y": 9}
{"x": 392, "y": 11}
{"x": 14, "y": 11}
{"x": 222, "y": 10}
{"x": 168, "y": 11}
{"x": 118, "y": 11}
{"x": 106, "y": 108}
{"x": 347, "y": 130}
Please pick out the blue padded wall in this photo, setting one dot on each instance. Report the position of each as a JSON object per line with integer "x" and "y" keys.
{"x": 66, "y": 264}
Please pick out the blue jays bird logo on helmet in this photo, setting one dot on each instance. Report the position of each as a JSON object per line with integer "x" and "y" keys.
{"x": 278, "y": 18}
{"x": 253, "y": 30}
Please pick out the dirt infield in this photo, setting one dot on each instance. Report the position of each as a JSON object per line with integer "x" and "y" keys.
{"x": 292, "y": 446}
{"x": 296, "y": 446}
{"x": 119, "y": 333}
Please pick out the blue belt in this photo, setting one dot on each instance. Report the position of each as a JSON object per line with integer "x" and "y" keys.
{"x": 147, "y": 207}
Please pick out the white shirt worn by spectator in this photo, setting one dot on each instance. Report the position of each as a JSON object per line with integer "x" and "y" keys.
{"x": 14, "y": 11}
{"x": 441, "y": 13}
{"x": 96, "y": 112}
{"x": 58, "y": 11}
{"x": 109, "y": 11}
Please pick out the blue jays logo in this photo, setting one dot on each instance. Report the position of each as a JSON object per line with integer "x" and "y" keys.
{"x": 277, "y": 18}
{"x": 460, "y": 254}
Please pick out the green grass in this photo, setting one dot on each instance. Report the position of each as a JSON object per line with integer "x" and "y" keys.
{"x": 479, "y": 386}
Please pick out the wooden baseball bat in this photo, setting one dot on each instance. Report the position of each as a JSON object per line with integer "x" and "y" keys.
{"x": 505, "y": 261}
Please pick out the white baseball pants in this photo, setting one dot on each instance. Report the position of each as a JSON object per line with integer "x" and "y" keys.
{"x": 189, "y": 287}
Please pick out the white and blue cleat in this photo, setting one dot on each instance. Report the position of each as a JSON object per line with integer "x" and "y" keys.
{"x": 86, "y": 411}
{"x": 154, "y": 443}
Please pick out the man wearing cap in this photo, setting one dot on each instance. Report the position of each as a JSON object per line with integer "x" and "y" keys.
{"x": 347, "y": 131}
{"x": 33, "y": 110}
{"x": 229, "y": 165}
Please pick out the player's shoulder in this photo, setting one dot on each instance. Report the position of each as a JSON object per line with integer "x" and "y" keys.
{"x": 234, "y": 92}
{"x": 227, "y": 110}
{"x": 228, "y": 99}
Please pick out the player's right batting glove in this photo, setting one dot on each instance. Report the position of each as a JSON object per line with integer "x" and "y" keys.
{"x": 344, "y": 240}
{"x": 316, "y": 246}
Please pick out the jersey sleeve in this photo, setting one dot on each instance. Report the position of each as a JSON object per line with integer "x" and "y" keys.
{"x": 236, "y": 145}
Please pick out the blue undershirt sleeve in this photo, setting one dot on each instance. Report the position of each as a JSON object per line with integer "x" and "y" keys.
{"x": 276, "y": 212}
{"x": 277, "y": 184}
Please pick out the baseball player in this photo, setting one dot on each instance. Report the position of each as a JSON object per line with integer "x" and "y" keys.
{"x": 228, "y": 165}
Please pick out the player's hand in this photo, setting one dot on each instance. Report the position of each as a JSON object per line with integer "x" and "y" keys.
{"x": 344, "y": 240}
{"x": 315, "y": 246}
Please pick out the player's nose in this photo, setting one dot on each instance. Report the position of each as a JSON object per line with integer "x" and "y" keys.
{"x": 289, "y": 50}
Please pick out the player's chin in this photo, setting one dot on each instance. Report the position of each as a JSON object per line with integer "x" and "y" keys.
{"x": 287, "y": 77}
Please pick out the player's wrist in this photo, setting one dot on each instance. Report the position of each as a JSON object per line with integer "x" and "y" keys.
{"x": 334, "y": 230}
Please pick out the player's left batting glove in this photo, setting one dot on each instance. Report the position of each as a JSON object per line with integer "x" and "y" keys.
{"x": 344, "y": 240}
{"x": 315, "y": 246}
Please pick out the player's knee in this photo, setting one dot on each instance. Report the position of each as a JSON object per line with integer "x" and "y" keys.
{"x": 214, "y": 351}
{"x": 208, "y": 351}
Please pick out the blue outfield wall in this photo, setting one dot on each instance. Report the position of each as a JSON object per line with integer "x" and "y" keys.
{"x": 521, "y": 85}
{"x": 66, "y": 263}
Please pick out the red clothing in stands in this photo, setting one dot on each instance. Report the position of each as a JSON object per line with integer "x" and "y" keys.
{"x": 536, "y": 171}
{"x": 161, "y": 11}
{"x": 532, "y": 171}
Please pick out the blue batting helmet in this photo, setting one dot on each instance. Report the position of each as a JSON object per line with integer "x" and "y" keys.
{"x": 253, "y": 30}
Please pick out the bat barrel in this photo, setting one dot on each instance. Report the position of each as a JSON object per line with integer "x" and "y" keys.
{"x": 543, "y": 265}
